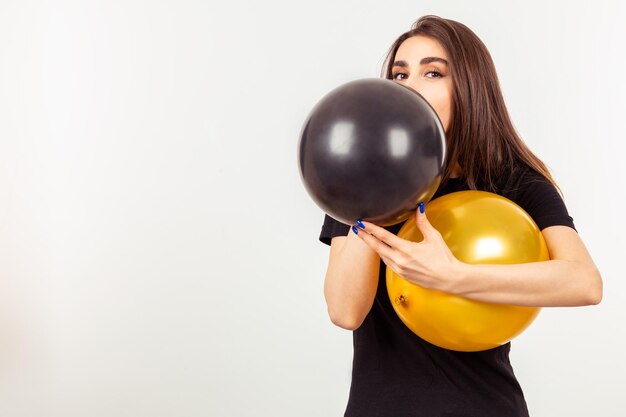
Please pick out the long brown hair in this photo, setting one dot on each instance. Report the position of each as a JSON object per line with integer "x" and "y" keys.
{"x": 481, "y": 137}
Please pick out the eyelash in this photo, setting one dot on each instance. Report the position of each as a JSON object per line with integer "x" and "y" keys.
{"x": 439, "y": 75}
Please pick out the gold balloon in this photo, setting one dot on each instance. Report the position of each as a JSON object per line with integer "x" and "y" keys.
{"x": 479, "y": 228}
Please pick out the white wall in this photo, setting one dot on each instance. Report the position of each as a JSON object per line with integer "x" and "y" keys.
{"x": 158, "y": 252}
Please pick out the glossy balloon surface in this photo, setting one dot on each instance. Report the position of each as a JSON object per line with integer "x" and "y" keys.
{"x": 371, "y": 149}
{"x": 479, "y": 227}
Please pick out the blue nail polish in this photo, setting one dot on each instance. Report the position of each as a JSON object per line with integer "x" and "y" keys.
{"x": 355, "y": 230}
{"x": 360, "y": 224}
{"x": 422, "y": 208}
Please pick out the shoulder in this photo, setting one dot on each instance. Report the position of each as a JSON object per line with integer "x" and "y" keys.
{"x": 538, "y": 197}
{"x": 332, "y": 228}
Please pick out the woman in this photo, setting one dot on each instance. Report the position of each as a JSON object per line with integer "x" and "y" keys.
{"x": 396, "y": 373}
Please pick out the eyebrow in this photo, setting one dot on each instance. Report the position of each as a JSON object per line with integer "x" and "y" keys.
{"x": 424, "y": 61}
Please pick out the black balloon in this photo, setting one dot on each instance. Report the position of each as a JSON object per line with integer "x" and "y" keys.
{"x": 371, "y": 149}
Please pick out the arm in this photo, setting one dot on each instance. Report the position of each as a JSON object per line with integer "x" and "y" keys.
{"x": 351, "y": 281}
{"x": 569, "y": 278}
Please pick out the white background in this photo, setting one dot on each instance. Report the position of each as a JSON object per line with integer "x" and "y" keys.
{"x": 158, "y": 252}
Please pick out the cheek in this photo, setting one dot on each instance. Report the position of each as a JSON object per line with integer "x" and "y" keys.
{"x": 445, "y": 116}
{"x": 442, "y": 105}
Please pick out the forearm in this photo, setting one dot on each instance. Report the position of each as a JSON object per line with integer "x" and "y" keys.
{"x": 544, "y": 284}
{"x": 351, "y": 281}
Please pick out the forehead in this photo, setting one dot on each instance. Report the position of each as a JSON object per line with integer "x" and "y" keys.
{"x": 417, "y": 47}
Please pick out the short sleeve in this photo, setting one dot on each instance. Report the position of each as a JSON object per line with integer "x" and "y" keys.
{"x": 332, "y": 228}
{"x": 540, "y": 198}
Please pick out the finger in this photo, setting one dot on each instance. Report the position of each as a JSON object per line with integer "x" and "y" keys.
{"x": 384, "y": 235}
{"x": 381, "y": 248}
{"x": 393, "y": 266}
{"x": 422, "y": 222}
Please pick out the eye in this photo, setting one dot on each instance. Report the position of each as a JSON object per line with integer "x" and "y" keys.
{"x": 433, "y": 74}
{"x": 394, "y": 76}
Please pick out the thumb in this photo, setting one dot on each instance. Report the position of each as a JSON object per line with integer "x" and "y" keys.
{"x": 421, "y": 220}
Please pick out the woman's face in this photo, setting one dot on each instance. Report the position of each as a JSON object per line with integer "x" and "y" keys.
{"x": 422, "y": 65}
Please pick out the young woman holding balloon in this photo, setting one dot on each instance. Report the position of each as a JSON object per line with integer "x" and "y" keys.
{"x": 395, "y": 372}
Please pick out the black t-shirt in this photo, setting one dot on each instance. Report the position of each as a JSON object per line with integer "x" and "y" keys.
{"x": 395, "y": 373}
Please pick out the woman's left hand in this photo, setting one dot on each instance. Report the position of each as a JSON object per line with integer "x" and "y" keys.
{"x": 429, "y": 263}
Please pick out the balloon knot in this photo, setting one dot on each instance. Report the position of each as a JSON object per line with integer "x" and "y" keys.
{"x": 401, "y": 299}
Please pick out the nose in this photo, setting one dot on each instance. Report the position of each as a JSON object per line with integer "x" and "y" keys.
{"x": 412, "y": 84}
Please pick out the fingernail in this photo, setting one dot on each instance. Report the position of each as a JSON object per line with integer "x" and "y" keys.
{"x": 360, "y": 224}
{"x": 422, "y": 208}
{"x": 355, "y": 230}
